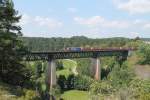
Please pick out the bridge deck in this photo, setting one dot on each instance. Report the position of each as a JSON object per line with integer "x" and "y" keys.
{"x": 87, "y": 50}
{"x": 76, "y": 54}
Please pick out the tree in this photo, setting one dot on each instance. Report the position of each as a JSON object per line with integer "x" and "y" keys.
{"x": 120, "y": 76}
{"x": 59, "y": 65}
{"x": 11, "y": 47}
{"x": 70, "y": 81}
{"x": 61, "y": 82}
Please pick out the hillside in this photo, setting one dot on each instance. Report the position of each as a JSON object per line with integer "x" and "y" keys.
{"x": 52, "y": 44}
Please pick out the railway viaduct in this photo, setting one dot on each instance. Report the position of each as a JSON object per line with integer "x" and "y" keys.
{"x": 50, "y": 57}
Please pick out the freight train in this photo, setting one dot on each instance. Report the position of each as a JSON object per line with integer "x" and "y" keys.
{"x": 90, "y": 49}
{"x": 73, "y": 49}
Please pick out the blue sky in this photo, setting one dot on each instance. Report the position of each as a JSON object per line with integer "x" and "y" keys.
{"x": 91, "y": 18}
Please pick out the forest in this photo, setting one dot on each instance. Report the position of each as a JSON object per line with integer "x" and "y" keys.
{"x": 53, "y": 44}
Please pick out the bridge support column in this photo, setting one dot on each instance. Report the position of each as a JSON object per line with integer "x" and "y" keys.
{"x": 96, "y": 68}
{"x": 51, "y": 73}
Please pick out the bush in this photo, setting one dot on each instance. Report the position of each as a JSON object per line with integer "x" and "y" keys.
{"x": 74, "y": 82}
{"x": 59, "y": 65}
{"x": 103, "y": 87}
{"x": 30, "y": 95}
{"x": 55, "y": 93}
{"x": 82, "y": 83}
{"x": 140, "y": 89}
{"x": 120, "y": 76}
{"x": 61, "y": 81}
{"x": 70, "y": 82}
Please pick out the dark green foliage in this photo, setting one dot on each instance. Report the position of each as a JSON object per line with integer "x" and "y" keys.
{"x": 59, "y": 65}
{"x": 74, "y": 82}
{"x": 104, "y": 73}
{"x": 11, "y": 47}
{"x": 39, "y": 70}
{"x": 61, "y": 81}
{"x": 70, "y": 82}
{"x": 8, "y": 18}
{"x": 107, "y": 64}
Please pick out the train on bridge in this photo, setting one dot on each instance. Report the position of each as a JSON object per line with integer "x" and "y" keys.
{"x": 96, "y": 49}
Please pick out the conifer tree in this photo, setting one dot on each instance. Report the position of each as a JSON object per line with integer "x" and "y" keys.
{"x": 11, "y": 46}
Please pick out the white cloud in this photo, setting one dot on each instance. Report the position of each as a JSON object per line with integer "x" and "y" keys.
{"x": 98, "y": 21}
{"x": 134, "y": 34}
{"x": 93, "y": 21}
{"x": 133, "y": 6}
{"x": 25, "y": 19}
{"x": 97, "y": 25}
{"x": 142, "y": 24}
{"x": 137, "y": 21}
{"x": 147, "y": 26}
{"x": 72, "y": 10}
{"x": 47, "y": 22}
{"x": 39, "y": 21}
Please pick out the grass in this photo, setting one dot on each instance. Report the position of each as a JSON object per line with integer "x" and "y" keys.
{"x": 69, "y": 64}
{"x": 68, "y": 67}
{"x": 75, "y": 95}
{"x": 64, "y": 72}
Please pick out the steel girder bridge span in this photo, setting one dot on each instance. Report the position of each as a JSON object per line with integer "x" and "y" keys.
{"x": 50, "y": 57}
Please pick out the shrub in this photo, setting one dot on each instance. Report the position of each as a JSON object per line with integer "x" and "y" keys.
{"x": 120, "y": 76}
{"x": 28, "y": 95}
{"x": 70, "y": 81}
{"x": 103, "y": 87}
{"x": 59, "y": 65}
{"x": 55, "y": 93}
{"x": 83, "y": 82}
{"x": 61, "y": 81}
{"x": 140, "y": 89}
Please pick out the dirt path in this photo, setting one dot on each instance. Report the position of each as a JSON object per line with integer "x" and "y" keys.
{"x": 142, "y": 71}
